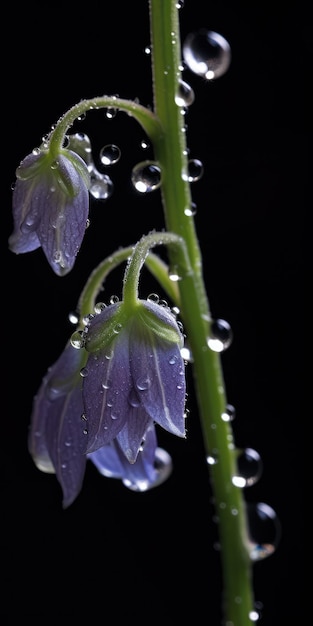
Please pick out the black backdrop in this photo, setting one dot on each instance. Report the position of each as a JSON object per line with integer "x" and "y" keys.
{"x": 115, "y": 554}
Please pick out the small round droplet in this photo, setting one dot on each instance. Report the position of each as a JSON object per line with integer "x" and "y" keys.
{"x": 185, "y": 96}
{"x": 264, "y": 530}
{"x": 110, "y": 154}
{"x": 146, "y": 176}
{"x": 195, "y": 171}
{"x": 221, "y": 336}
{"x": 229, "y": 414}
{"x": 207, "y": 53}
{"x": 249, "y": 466}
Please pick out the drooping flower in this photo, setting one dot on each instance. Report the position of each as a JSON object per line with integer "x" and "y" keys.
{"x": 134, "y": 376}
{"x": 146, "y": 365}
{"x": 50, "y": 207}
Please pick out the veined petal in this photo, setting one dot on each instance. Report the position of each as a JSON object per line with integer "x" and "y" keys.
{"x": 106, "y": 389}
{"x": 66, "y": 443}
{"x": 157, "y": 369}
{"x": 131, "y": 436}
{"x": 57, "y": 442}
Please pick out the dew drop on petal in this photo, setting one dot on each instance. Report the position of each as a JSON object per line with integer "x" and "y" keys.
{"x": 146, "y": 176}
{"x": 207, "y": 54}
{"x": 263, "y": 530}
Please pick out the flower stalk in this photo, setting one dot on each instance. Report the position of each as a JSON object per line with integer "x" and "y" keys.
{"x": 170, "y": 151}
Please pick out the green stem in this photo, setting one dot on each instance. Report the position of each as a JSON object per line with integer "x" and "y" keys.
{"x": 144, "y": 117}
{"x": 138, "y": 257}
{"x": 170, "y": 152}
{"x": 95, "y": 282}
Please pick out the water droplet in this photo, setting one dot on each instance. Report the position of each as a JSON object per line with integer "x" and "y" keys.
{"x": 101, "y": 185}
{"x": 190, "y": 211}
{"x": 195, "y": 171}
{"x": 80, "y": 143}
{"x": 99, "y": 307}
{"x": 110, "y": 154}
{"x": 173, "y": 274}
{"x": 185, "y": 96}
{"x": 249, "y": 466}
{"x": 133, "y": 398}
{"x": 229, "y": 413}
{"x": 163, "y": 466}
{"x": 73, "y": 317}
{"x": 264, "y": 530}
{"x": 77, "y": 339}
{"x": 114, "y": 299}
{"x": 153, "y": 297}
{"x": 207, "y": 53}
{"x": 143, "y": 383}
{"x": 221, "y": 335}
{"x": 211, "y": 460}
{"x": 146, "y": 176}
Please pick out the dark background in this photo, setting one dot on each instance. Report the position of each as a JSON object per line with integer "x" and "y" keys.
{"x": 151, "y": 557}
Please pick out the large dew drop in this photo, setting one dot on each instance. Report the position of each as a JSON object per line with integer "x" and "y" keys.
{"x": 264, "y": 530}
{"x": 221, "y": 335}
{"x": 207, "y": 53}
{"x": 249, "y": 468}
{"x": 146, "y": 176}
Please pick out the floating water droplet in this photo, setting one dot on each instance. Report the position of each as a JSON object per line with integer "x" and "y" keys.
{"x": 186, "y": 354}
{"x": 207, "y": 53}
{"x": 249, "y": 466}
{"x": 80, "y": 143}
{"x": 185, "y": 96}
{"x": 221, "y": 335}
{"x": 73, "y": 317}
{"x": 264, "y": 530}
{"x": 146, "y": 176}
{"x": 101, "y": 186}
{"x": 110, "y": 154}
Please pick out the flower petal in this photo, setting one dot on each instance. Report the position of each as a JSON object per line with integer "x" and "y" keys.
{"x": 57, "y": 442}
{"x": 106, "y": 388}
{"x": 152, "y": 467}
{"x": 131, "y": 436}
{"x": 157, "y": 369}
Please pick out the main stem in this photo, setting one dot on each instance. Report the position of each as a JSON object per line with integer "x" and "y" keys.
{"x": 170, "y": 151}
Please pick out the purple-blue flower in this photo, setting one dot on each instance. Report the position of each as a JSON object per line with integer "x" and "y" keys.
{"x": 101, "y": 402}
{"x": 51, "y": 206}
{"x": 134, "y": 376}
